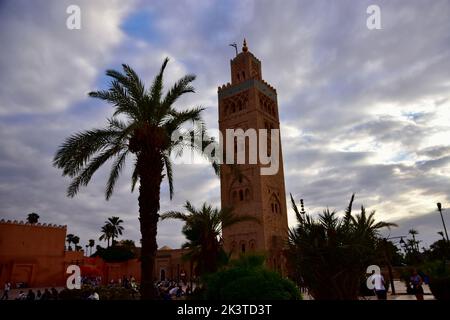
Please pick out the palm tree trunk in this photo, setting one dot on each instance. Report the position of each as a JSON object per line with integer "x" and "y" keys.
{"x": 150, "y": 167}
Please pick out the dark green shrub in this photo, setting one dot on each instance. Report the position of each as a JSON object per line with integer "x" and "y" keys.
{"x": 439, "y": 273}
{"x": 248, "y": 279}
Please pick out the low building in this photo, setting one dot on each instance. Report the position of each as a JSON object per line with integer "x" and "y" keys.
{"x": 34, "y": 255}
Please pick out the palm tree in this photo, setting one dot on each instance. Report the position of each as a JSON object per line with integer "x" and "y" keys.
{"x": 69, "y": 239}
{"x": 145, "y": 130}
{"x": 116, "y": 228}
{"x": 203, "y": 230}
{"x": 413, "y": 233}
{"x": 107, "y": 233}
{"x": 32, "y": 218}
{"x": 91, "y": 245}
{"x": 331, "y": 253}
{"x": 76, "y": 241}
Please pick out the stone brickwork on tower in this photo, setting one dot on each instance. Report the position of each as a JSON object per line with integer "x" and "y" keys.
{"x": 250, "y": 102}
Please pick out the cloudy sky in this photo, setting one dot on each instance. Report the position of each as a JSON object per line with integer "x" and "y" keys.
{"x": 364, "y": 111}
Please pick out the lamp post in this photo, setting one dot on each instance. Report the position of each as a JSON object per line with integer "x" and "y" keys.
{"x": 442, "y": 218}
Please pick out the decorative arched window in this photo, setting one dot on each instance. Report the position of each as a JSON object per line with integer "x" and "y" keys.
{"x": 274, "y": 203}
{"x": 240, "y": 190}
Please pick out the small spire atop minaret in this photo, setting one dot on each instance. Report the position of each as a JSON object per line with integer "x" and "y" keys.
{"x": 244, "y": 47}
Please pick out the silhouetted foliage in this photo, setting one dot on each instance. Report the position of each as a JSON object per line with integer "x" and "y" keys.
{"x": 203, "y": 230}
{"x": 331, "y": 253}
{"x": 33, "y": 218}
{"x": 248, "y": 279}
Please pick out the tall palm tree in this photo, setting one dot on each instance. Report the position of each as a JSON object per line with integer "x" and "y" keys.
{"x": 148, "y": 121}
{"x": 69, "y": 239}
{"x": 203, "y": 230}
{"x": 107, "y": 233}
{"x": 115, "y": 226}
{"x": 91, "y": 245}
{"x": 33, "y": 218}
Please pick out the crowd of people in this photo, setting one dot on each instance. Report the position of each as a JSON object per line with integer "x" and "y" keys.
{"x": 31, "y": 295}
{"x": 172, "y": 290}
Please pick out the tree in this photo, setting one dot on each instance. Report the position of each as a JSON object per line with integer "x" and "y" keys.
{"x": 128, "y": 244}
{"x": 33, "y": 218}
{"x": 115, "y": 227}
{"x": 144, "y": 130}
{"x": 415, "y": 243}
{"x": 69, "y": 239}
{"x": 76, "y": 241}
{"x": 248, "y": 279}
{"x": 91, "y": 245}
{"x": 331, "y": 253}
{"x": 107, "y": 233}
{"x": 203, "y": 230}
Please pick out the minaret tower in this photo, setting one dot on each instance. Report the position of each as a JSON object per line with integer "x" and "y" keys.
{"x": 250, "y": 102}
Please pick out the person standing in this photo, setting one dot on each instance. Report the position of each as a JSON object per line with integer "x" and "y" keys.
{"x": 379, "y": 286}
{"x": 6, "y": 291}
{"x": 31, "y": 295}
{"x": 417, "y": 281}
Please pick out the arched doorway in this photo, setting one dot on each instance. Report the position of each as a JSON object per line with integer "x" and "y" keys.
{"x": 163, "y": 274}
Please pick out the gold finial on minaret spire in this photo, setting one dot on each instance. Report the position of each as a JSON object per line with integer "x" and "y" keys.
{"x": 244, "y": 47}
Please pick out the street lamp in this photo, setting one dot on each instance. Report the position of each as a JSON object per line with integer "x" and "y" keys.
{"x": 442, "y": 218}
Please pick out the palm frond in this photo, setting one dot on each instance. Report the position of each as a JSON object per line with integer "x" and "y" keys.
{"x": 78, "y": 148}
{"x": 134, "y": 177}
{"x": 181, "y": 87}
{"x": 295, "y": 208}
{"x": 169, "y": 173}
{"x": 156, "y": 89}
{"x": 174, "y": 215}
{"x": 114, "y": 174}
{"x": 85, "y": 175}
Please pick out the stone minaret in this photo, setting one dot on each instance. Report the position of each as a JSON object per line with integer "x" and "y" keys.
{"x": 250, "y": 102}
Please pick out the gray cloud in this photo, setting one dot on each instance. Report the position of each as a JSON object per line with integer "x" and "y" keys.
{"x": 361, "y": 111}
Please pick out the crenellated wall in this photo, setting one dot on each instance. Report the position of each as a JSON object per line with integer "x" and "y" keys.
{"x": 35, "y": 254}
